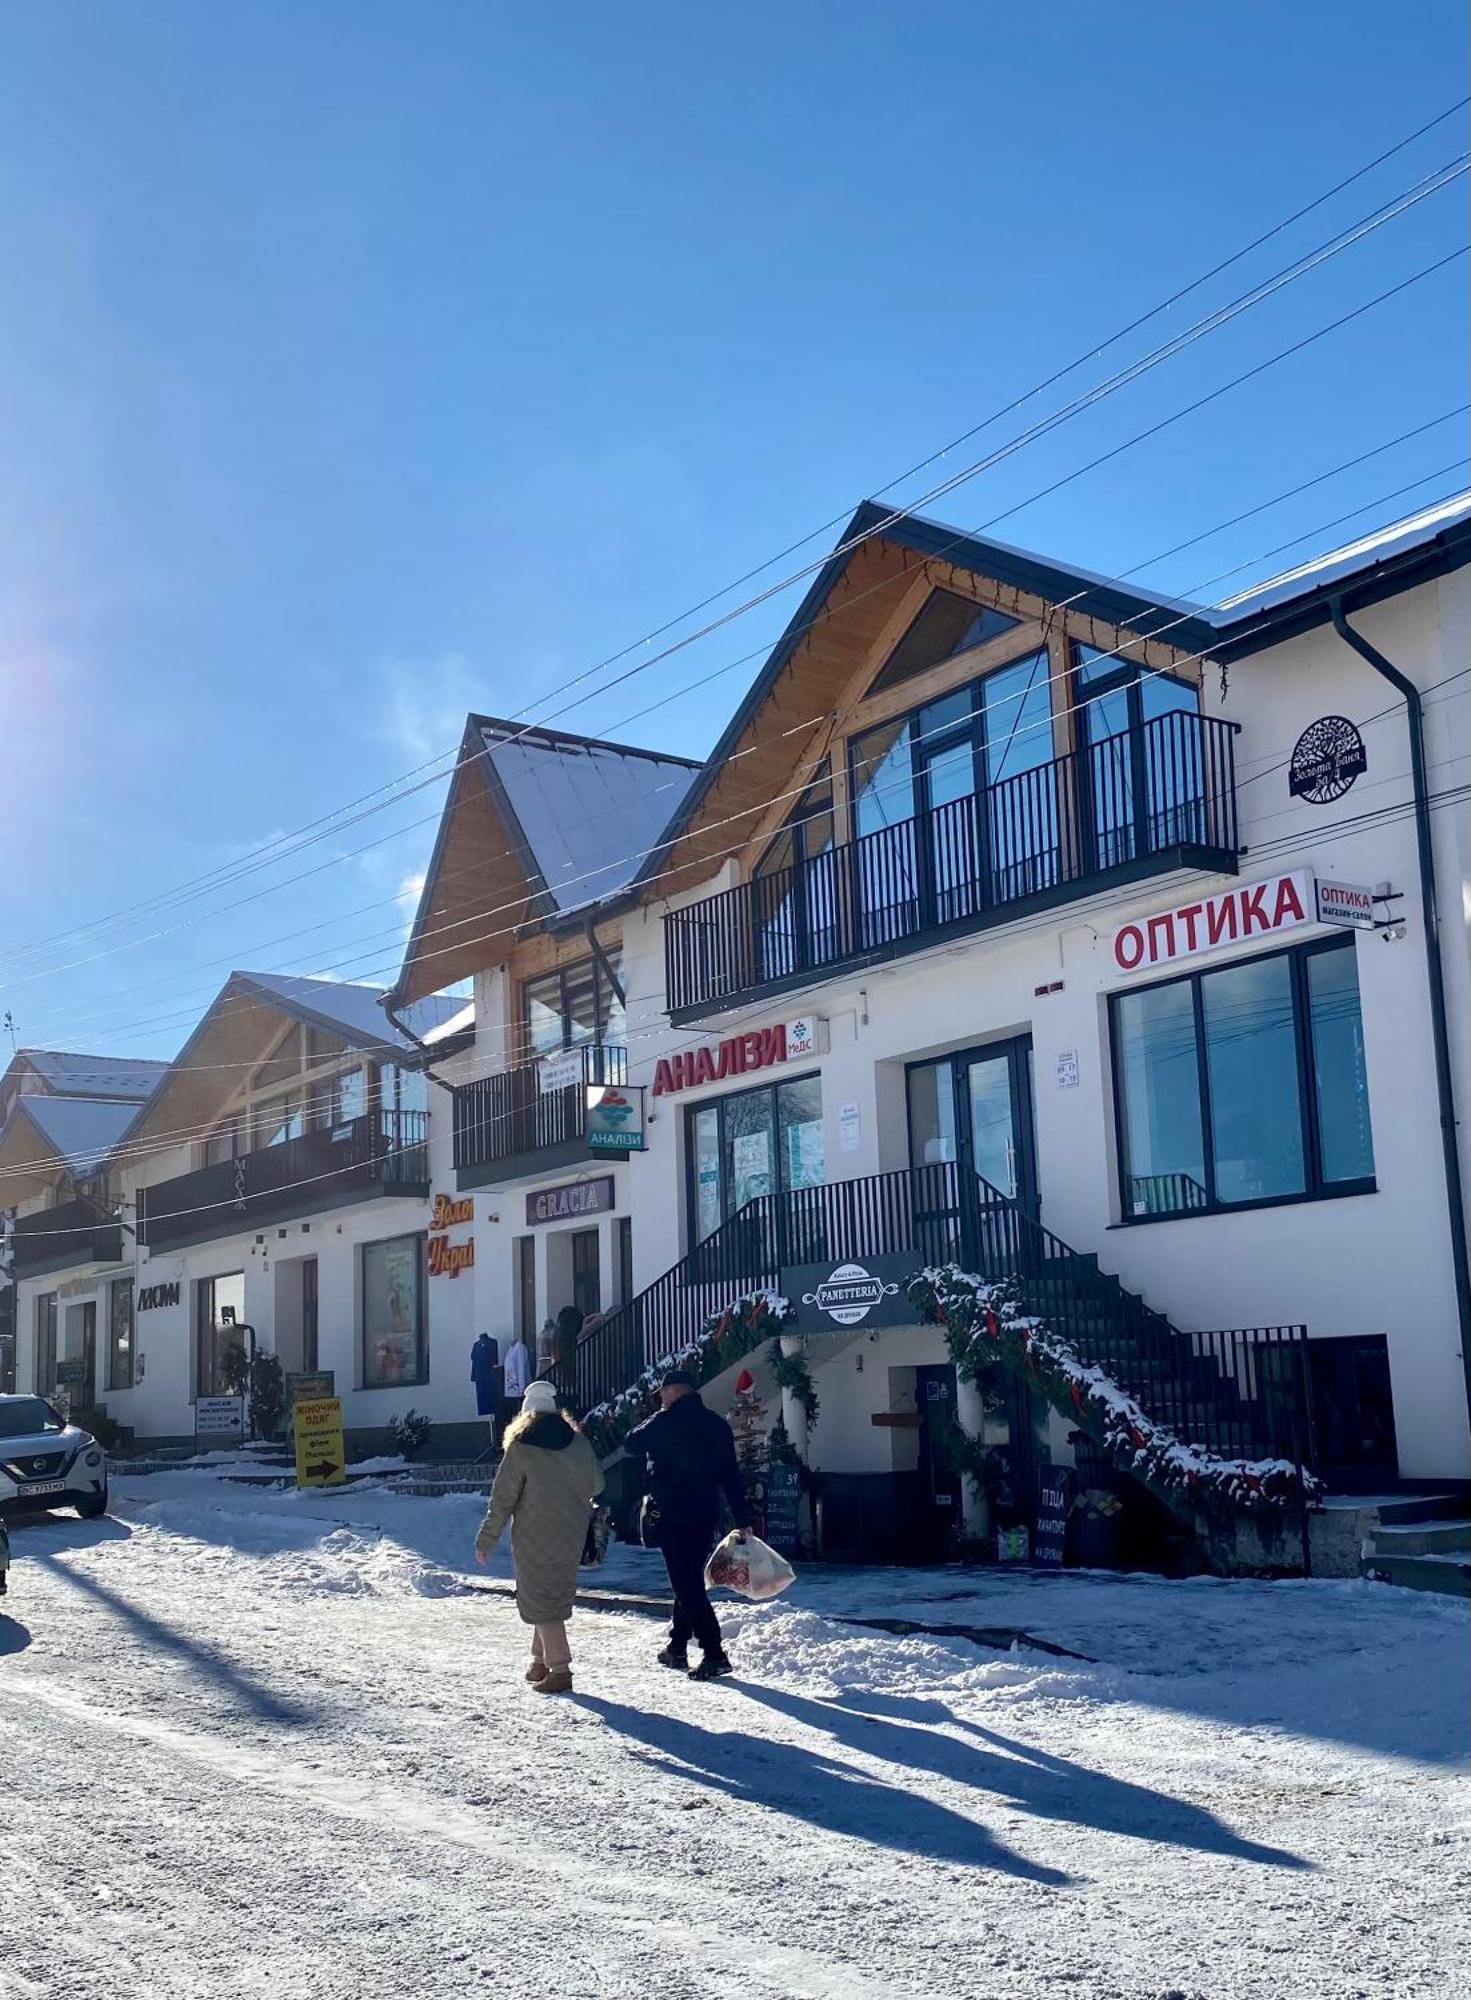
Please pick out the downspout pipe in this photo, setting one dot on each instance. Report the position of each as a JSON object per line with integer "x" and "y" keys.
{"x": 1435, "y": 972}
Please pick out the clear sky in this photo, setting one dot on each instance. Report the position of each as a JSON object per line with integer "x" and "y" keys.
{"x": 362, "y": 363}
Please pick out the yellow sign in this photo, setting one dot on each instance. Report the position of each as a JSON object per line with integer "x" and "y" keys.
{"x": 321, "y": 1456}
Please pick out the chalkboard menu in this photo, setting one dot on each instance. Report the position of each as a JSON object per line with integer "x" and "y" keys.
{"x": 1054, "y": 1497}
{"x": 783, "y": 1491}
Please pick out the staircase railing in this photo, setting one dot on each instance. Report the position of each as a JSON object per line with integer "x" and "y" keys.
{"x": 1238, "y": 1393}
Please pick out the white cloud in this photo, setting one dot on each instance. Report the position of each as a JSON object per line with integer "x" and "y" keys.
{"x": 427, "y": 702}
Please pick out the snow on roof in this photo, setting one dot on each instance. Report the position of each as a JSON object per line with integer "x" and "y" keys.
{"x": 462, "y": 1023}
{"x": 353, "y": 1012}
{"x": 1377, "y": 547}
{"x": 82, "y": 1130}
{"x": 77, "y": 1075}
{"x": 588, "y": 811}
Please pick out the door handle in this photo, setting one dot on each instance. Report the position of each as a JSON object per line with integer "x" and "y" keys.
{"x": 1011, "y": 1167}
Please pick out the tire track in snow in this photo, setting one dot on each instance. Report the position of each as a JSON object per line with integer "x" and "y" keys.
{"x": 620, "y": 1900}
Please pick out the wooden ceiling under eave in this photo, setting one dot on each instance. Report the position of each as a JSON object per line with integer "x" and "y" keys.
{"x": 475, "y": 899}
{"x": 799, "y": 705}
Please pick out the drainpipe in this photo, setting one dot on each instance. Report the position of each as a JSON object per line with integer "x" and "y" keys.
{"x": 1435, "y": 973}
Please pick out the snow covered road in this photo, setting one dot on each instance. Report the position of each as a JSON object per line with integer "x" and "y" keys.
{"x": 267, "y": 1744}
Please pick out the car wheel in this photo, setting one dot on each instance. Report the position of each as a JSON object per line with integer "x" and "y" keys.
{"x": 94, "y": 1506}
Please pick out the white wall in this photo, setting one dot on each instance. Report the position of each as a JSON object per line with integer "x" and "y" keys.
{"x": 1369, "y": 1264}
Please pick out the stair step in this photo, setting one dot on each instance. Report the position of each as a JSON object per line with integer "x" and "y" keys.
{"x": 1424, "y": 1538}
{"x": 1425, "y": 1507}
{"x": 1450, "y": 1576}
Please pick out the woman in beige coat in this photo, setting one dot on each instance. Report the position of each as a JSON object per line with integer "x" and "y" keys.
{"x": 545, "y": 1487}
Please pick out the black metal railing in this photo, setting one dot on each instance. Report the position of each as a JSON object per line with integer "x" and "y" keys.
{"x": 1163, "y": 794}
{"x": 1163, "y": 1194}
{"x": 1240, "y": 1393}
{"x": 74, "y": 1232}
{"x": 510, "y": 1115}
{"x": 382, "y": 1152}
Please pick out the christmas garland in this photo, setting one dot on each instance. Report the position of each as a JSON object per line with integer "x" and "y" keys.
{"x": 985, "y": 1328}
{"x": 794, "y": 1377}
{"x": 725, "y": 1338}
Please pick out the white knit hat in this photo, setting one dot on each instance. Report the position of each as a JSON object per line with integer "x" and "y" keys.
{"x": 540, "y": 1399}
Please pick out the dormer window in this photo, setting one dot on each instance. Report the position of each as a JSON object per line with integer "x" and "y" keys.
{"x": 946, "y": 626}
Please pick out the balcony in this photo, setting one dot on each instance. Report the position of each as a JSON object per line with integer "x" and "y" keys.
{"x": 74, "y": 1232}
{"x": 381, "y": 1153}
{"x": 1147, "y": 802}
{"x": 506, "y": 1125}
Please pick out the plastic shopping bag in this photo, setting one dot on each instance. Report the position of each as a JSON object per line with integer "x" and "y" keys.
{"x": 744, "y": 1564}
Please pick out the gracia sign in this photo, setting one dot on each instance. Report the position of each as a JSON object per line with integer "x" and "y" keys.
{"x": 831, "y": 1298}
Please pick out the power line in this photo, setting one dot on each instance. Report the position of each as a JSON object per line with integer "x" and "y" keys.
{"x": 1388, "y": 211}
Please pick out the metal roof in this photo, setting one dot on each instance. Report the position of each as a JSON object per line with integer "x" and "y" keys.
{"x": 71, "y": 1074}
{"x": 81, "y": 1130}
{"x": 582, "y": 811}
{"x": 353, "y": 1012}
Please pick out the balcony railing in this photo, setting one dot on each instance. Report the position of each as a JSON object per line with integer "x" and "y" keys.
{"x": 381, "y": 1153}
{"x": 74, "y": 1232}
{"x": 509, "y": 1123}
{"x": 1141, "y": 803}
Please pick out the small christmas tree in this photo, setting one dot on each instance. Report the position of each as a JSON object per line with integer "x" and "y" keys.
{"x": 748, "y": 1421}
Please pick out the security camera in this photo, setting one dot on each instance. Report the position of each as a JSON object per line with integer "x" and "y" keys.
{"x": 1392, "y": 933}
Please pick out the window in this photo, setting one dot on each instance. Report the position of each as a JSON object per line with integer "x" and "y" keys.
{"x": 946, "y": 624}
{"x": 277, "y": 1119}
{"x": 526, "y": 1288}
{"x": 226, "y": 1142}
{"x": 573, "y": 1006}
{"x": 956, "y": 804}
{"x": 1243, "y": 1085}
{"x": 310, "y": 1309}
{"x": 1143, "y": 766}
{"x": 623, "y": 1236}
{"x": 587, "y": 1281}
{"x": 393, "y": 1313}
{"x": 339, "y": 1100}
{"x": 120, "y": 1334}
{"x": 797, "y": 887}
{"x": 752, "y": 1143}
{"x": 219, "y": 1313}
{"x": 46, "y": 1344}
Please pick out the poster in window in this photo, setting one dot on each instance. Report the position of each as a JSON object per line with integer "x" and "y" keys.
{"x": 391, "y": 1312}
{"x": 751, "y": 1160}
{"x": 806, "y": 1166}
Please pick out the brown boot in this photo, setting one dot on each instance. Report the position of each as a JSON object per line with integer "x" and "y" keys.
{"x": 555, "y": 1680}
{"x": 536, "y": 1672}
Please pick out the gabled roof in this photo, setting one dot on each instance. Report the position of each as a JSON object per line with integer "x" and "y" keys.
{"x": 916, "y": 540}
{"x": 355, "y": 1013}
{"x": 244, "y": 1023}
{"x": 80, "y": 1131}
{"x": 69, "y": 1074}
{"x": 539, "y": 825}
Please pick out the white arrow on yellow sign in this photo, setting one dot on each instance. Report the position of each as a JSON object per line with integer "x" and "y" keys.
{"x": 321, "y": 1455}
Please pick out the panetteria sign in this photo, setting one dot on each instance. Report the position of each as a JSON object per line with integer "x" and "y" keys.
{"x": 738, "y": 1055}
{"x": 1253, "y": 910}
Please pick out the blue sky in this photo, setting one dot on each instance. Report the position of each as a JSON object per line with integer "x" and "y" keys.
{"x": 361, "y": 363}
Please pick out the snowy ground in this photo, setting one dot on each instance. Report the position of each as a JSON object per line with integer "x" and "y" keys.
{"x": 254, "y": 1743}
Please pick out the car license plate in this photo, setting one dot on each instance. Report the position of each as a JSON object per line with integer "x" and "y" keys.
{"x": 38, "y": 1488}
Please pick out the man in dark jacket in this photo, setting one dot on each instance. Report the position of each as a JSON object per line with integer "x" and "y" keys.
{"x": 690, "y": 1453}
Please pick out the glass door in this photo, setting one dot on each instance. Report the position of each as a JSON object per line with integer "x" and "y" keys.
{"x": 971, "y": 1114}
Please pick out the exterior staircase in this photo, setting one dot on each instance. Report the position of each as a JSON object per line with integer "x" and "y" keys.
{"x": 1236, "y": 1394}
{"x": 1423, "y": 1544}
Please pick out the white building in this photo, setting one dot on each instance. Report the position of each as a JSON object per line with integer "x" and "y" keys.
{"x": 1034, "y": 863}
{"x": 61, "y": 1113}
{"x": 277, "y": 1187}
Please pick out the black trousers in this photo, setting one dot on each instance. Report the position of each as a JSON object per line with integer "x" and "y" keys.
{"x": 687, "y": 1549}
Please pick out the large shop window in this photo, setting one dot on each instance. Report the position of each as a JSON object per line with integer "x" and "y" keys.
{"x": 754, "y": 1142}
{"x": 219, "y": 1314}
{"x": 1244, "y": 1085}
{"x": 394, "y": 1349}
{"x": 120, "y": 1334}
{"x": 574, "y": 1006}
